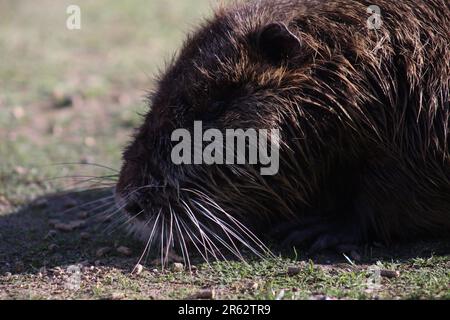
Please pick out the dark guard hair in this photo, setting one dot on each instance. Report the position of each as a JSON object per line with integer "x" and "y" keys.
{"x": 364, "y": 119}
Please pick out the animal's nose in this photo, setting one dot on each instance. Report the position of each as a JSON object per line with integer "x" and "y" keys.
{"x": 134, "y": 207}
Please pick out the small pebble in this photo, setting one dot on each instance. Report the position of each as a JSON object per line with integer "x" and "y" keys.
{"x": 281, "y": 295}
{"x": 138, "y": 269}
{"x": 65, "y": 227}
{"x": 87, "y": 160}
{"x": 293, "y": 270}
{"x": 117, "y": 296}
{"x": 61, "y": 100}
{"x": 178, "y": 267}
{"x": 52, "y": 247}
{"x": 20, "y": 171}
{"x": 3, "y": 200}
{"x": 253, "y": 286}
{"x": 206, "y": 294}
{"x": 8, "y": 274}
{"x": 389, "y": 274}
{"x": 18, "y": 112}
{"x": 57, "y": 271}
{"x": 102, "y": 251}
{"x": 124, "y": 251}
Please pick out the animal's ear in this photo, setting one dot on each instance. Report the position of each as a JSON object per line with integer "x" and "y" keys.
{"x": 277, "y": 43}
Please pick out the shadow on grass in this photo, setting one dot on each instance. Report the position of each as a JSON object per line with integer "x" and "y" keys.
{"x": 36, "y": 236}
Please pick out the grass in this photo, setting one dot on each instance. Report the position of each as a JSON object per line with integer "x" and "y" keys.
{"x": 74, "y": 96}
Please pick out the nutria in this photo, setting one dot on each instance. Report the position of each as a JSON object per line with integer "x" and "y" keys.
{"x": 363, "y": 113}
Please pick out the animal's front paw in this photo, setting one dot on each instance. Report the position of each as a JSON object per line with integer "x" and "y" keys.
{"x": 319, "y": 234}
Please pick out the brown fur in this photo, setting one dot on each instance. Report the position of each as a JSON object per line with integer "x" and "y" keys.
{"x": 364, "y": 117}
